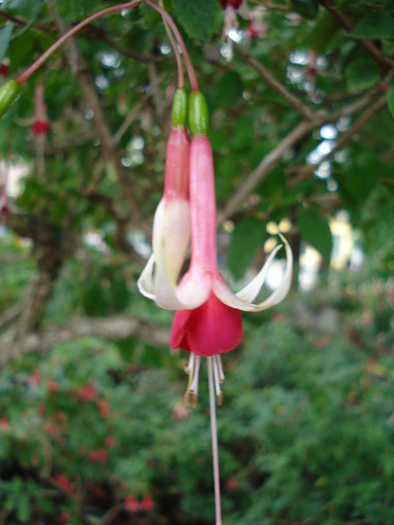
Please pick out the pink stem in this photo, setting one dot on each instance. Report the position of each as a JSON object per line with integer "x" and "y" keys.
{"x": 33, "y": 68}
{"x": 215, "y": 449}
{"x": 39, "y": 102}
{"x": 186, "y": 57}
{"x": 181, "y": 73}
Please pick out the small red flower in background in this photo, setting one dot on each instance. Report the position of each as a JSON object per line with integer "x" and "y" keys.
{"x": 87, "y": 393}
{"x": 4, "y": 424}
{"x": 60, "y": 416}
{"x": 232, "y": 484}
{"x": 98, "y": 456}
{"x": 110, "y": 441}
{"x": 41, "y": 409}
{"x": 147, "y": 503}
{"x": 63, "y": 483}
{"x": 40, "y": 125}
{"x": 97, "y": 491}
{"x": 104, "y": 406}
{"x": 5, "y": 68}
{"x": 131, "y": 504}
{"x": 35, "y": 379}
{"x": 180, "y": 412}
{"x": 52, "y": 386}
{"x": 64, "y": 517}
{"x": 236, "y": 4}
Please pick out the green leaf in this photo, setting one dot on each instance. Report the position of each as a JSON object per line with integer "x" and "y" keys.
{"x": 306, "y": 8}
{"x": 27, "y": 8}
{"x": 390, "y": 100}
{"x": 322, "y": 33}
{"x": 199, "y": 19}
{"x": 5, "y": 37}
{"x": 360, "y": 176}
{"x": 378, "y": 24}
{"x": 23, "y": 510}
{"x": 228, "y": 89}
{"x": 315, "y": 230}
{"x": 361, "y": 75}
{"x": 274, "y": 183}
{"x": 248, "y": 235}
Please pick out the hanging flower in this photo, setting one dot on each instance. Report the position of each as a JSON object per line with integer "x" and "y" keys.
{"x": 40, "y": 126}
{"x": 5, "y": 67}
{"x": 231, "y": 23}
{"x": 208, "y": 320}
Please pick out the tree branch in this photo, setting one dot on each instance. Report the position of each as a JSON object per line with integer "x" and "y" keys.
{"x": 343, "y": 20}
{"x": 273, "y": 83}
{"x": 86, "y": 82}
{"x": 262, "y": 170}
{"x": 116, "y": 327}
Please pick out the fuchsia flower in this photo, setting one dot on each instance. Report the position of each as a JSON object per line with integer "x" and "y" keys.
{"x": 5, "y": 67}
{"x": 208, "y": 320}
{"x": 40, "y": 125}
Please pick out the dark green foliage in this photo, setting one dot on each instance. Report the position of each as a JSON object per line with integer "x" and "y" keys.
{"x": 249, "y": 234}
{"x": 316, "y": 231}
{"x": 200, "y": 20}
{"x": 305, "y": 430}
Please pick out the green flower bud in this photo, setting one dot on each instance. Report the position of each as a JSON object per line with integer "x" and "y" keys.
{"x": 179, "y": 108}
{"x": 8, "y": 94}
{"x": 198, "y": 114}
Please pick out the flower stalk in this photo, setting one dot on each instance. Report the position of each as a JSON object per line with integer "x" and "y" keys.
{"x": 188, "y": 63}
{"x": 38, "y": 63}
{"x": 214, "y": 437}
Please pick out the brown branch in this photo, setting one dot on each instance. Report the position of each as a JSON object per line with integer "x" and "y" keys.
{"x": 116, "y": 327}
{"x": 86, "y": 83}
{"x": 273, "y": 83}
{"x": 262, "y": 170}
{"x": 304, "y": 171}
{"x": 370, "y": 47}
{"x": 111, "y": 515}
{"x": 136, "y": 109}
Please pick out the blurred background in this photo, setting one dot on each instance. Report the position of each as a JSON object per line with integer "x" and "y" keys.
{"x": 93, "y": 429}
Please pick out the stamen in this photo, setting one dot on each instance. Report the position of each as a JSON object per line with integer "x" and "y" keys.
{"x": 214, "y": 435}
{"x": 191, "y": 395}
{"x": 219, "y": 394}
{"x": 220, "y": 367}
{"x": 194, "y": 386}
{"x": 190, "y": 365}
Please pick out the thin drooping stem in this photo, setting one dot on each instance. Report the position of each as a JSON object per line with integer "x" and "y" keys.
{"x": 181, "y": 73}
{"x": 178, "y": 36}
{"x": 214, "y": 435}
{"x": 65, "y": 37}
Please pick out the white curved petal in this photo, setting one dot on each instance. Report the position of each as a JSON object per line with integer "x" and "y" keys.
{"x": 223, "y": 293}
{"x": 192, "y": 291}
{"x": 145, "y": 281}
{"x": 171, "y": 235}
{"x": 251, "y": 290}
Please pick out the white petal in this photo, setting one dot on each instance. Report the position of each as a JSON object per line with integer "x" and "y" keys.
{"x": 192, "y": 291}
{"x": 223, "y": 293}
{"x": 145, "y": 281}
{"x": 251, "y": 290}
{"x": 171, "y": 235}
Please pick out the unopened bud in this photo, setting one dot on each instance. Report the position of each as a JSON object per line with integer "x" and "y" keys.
{"x": 179, "y": 108}
{"x": 8, "y": 94}
{"x": 198, "y": 114}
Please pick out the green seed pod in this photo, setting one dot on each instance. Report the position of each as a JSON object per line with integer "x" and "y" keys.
{"x": 8, "y": 94}
{"x": 179, "y": 108}
{"x": 198, "y": 114}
